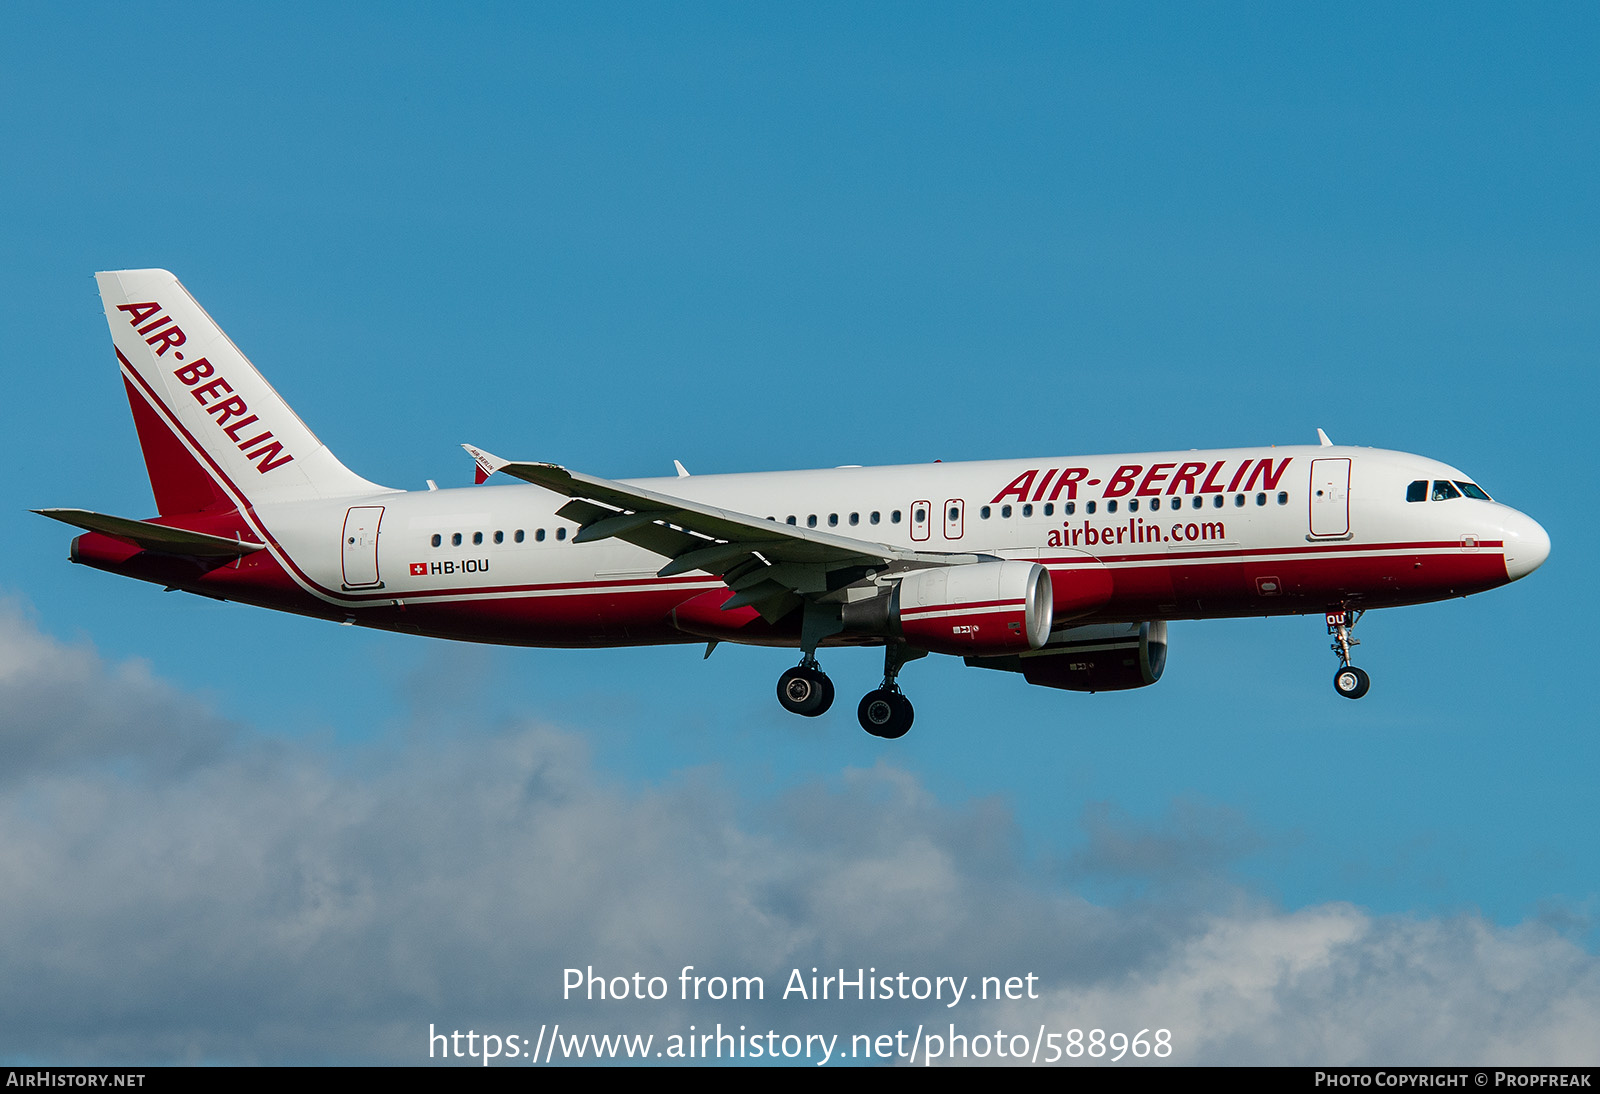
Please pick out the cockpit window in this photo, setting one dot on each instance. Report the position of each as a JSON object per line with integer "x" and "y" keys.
{"x": 1417, "y": 491}
{"x": 1473, "y": 490}
{"x": 1444, "y": 491}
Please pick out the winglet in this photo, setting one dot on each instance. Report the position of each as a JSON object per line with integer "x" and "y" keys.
{"x": 1323, "y": 437}
{"x": 488, "y": 463}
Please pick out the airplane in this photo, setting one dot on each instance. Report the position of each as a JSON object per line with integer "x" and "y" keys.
{"x": 1063, "y": 570}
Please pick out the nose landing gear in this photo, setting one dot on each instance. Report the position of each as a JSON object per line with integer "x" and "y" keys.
{"x": 1349, "y": 681}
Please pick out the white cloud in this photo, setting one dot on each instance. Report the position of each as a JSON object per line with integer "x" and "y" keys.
{"x": 173, "y": 888}
{"x": 1333, "y": 984}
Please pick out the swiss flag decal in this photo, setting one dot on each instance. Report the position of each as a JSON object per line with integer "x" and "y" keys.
{"x": 419, "y": 569}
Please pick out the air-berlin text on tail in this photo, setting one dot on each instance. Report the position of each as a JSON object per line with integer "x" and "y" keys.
{"x": 1195, "y": 477}
{"x": 216, "y": 395}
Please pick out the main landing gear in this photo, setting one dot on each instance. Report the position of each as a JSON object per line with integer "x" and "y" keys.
{"x": 1349, "y": 681}
{"x": 805, "y": 689}
{"x": 884, "y": 712}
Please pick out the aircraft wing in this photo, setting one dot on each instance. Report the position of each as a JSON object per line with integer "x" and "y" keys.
{"x": 770, "y": 566}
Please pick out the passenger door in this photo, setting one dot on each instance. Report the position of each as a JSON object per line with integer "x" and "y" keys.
{"x": 360, "y": 547}
{"x": 1330, "y": 497}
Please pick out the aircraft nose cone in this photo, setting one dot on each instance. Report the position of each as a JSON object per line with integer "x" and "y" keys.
{"x": 1527, "y": 546}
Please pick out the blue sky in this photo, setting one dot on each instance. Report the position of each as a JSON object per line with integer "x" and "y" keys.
{"x": 751, "y": 238}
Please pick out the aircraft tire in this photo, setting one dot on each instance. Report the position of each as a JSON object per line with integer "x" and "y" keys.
{"x": 885, "y": 713}
{"x": 827, "y": 695}
{"x": 806, "y": 692}
{"x": 1351, "y": 682}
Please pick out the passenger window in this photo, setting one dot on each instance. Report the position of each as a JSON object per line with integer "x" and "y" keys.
{"x": 1417, "y": 491}
{"x": 811, "y": 521}
{"x": 1069, "y": 508}
{"x": 955, "y": 515}
{"x": 833, "y": 520}
{"x": 1238, "y": 501}
{"x": 437, "y": 539}
{"x": 1261, "y": 499}
{"x": 1217, "y": 502}
{"x": 1283, "y": 497}
{"x": 499, "y": 537}
{"x": 874, "y": 517}
{"x": 984, "y": 513}
{"x": 1443, "y": 491}
{"x": 1198, "y": 501}
{"x": 1027, "y": 510}
{"x": 1005, "y": 510}
{"x": 1049, "y": 509}
{"x": 518, "y": 536}
{"x": 1089, "y": 508}
{"x": 894, "y": 517}
{"x": 455, "y": 540}
{"x": 561, "y": 533}
{"x": 855, "y": 519}
{"x": 477, "y": 538}
{"x": 1133, "y": 505}
{"x": 1177, "y": 503}
{"x": 922, "y": 515}
{"x": 539, "y": 535}
{"x": 1111, "y": 506}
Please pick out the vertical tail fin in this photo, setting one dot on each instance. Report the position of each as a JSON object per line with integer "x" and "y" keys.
{"x": 212, "y": 429}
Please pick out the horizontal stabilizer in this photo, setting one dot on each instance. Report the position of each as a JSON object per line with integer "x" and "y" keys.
{"x": 154, "y": 537}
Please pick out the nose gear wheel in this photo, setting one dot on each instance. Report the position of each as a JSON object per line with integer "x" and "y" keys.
{"x": 1349, "y": 681}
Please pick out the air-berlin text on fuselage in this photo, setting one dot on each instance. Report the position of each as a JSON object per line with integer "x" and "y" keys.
{"x": 216, "y": 394}
{"x": 1194, "y": 477}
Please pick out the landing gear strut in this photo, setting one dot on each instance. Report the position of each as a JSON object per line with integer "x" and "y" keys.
{"x": 805, "y": 689}
{"x": 886, "y": 712}
{"x": 1349, "y": 681}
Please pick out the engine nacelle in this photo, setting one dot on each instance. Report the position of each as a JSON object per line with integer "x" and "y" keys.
{"x": 979, "y": 608}
{"x": 1097, "y": 657}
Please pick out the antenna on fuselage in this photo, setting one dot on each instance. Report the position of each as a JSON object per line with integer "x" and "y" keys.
{"x": 1323, "y": 437}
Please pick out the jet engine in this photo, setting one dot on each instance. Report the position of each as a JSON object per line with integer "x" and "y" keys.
{"x": 1096, "y": 657}
{"x": 981, "y": 608}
